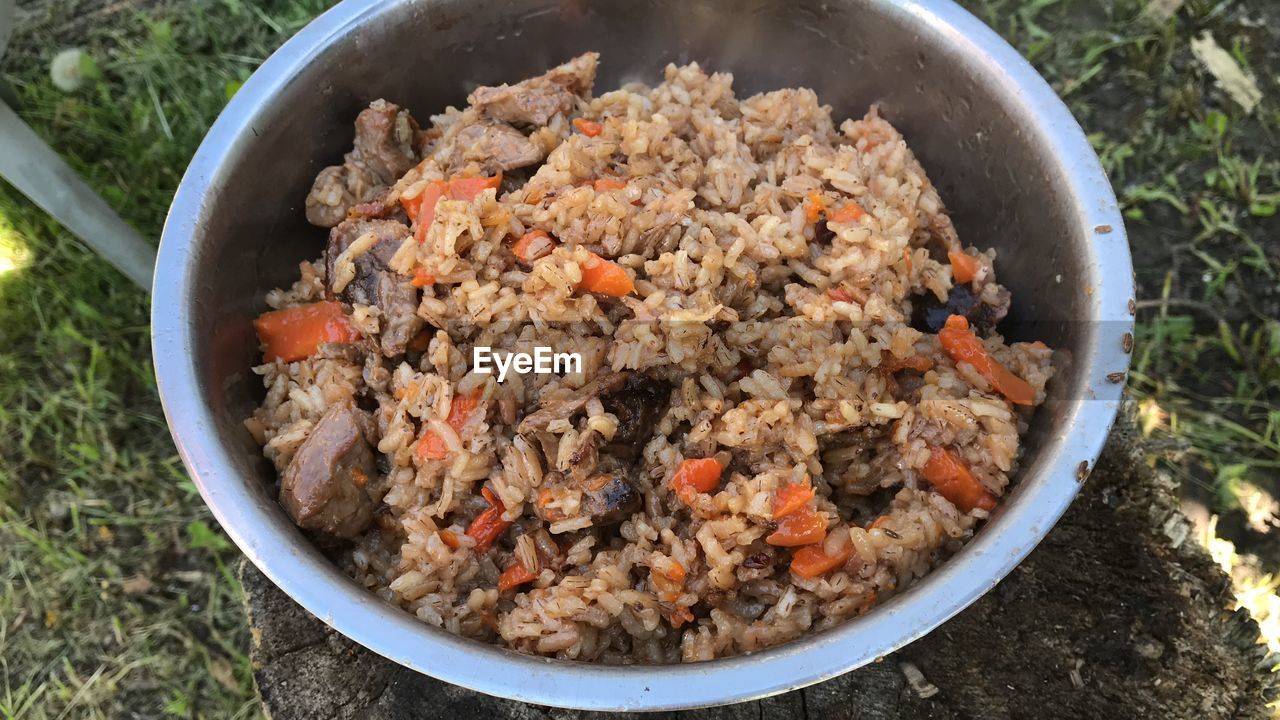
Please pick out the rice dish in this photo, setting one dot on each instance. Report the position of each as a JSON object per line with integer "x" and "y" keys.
{"x": 791, "y": 399}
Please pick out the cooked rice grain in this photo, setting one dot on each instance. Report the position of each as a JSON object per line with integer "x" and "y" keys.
{"x": 771, "y": 330}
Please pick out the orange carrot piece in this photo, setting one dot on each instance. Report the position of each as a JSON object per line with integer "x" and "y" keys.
{"x": 839, "y": 294}
{"x": 294, "y": 333}
{"x": 963, "y": 346}
{"x": 432, "y": 446}
{"x": 467, "y": 188}
{"x": 424, "y": 212}
{"x": 422, "y": 209}
{"x": 800, "y": 528}
{"x": 954, "y": 481}
{"x": 696, "y": 476}
{"x": 791, "y": 498}
{"x": 422, "y": 278}
{"x": 679, "y": 615}
{"x": 815, "y": 207}
{"x": 488, "y": 525}
{"x": 515, "y": 575}
{"x": 607, "y": 184}
{"x": 906, "y": 256}
{"x": 669, "y": 583}
{"x": 533, "y": 245}
{"x": 450, "y": 538}
{"x": 413, "y": 207}
{"x": 590, "y": 128}
{"x": 846, "y": 213}
{"x": 892, "y": 363}
{"x": 811, "y": 561}
{"x": 605, "y": 277}
{"x": 964, "y": 267}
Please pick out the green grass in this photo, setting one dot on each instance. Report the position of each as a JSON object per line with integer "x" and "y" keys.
{"x": 115, "y": 595}
{"x": 1199, "y": 181}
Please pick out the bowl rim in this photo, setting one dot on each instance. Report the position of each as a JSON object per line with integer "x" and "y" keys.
{"x": 317, "y": 585}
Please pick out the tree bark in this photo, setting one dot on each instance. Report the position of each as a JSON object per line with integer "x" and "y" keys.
{"x": 1119, "y": 613}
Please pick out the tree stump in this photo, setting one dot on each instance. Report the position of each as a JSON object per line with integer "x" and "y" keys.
{"x": 1119, "y": 613}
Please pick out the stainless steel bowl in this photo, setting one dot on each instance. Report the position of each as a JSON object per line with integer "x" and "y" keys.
{"x": 1004, "y": 152}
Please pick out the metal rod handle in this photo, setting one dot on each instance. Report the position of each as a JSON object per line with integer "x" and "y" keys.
{"x": 37, "y": 171}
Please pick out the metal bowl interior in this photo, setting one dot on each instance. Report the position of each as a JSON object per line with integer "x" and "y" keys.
{"x": 1007, "y": 157}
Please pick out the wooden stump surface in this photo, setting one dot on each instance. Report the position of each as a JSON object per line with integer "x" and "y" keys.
{"x": 1119, "y": 613}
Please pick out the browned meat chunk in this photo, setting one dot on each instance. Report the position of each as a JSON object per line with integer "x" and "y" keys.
{"x": 536, "y": 100}
{"x": 496, "y": 146}
{"x": 910, "y": 383}
{"x": 398, "y": 300}
{"x": 607, "y": 498}
{"x": 346, "y": 352}
{"x": 323, "y": 488}
{"x": 387, "y": 237}
{"x": 638, "y": 405}
{"x": 929, "y": 315}
{"x": 384, "y": 149}
{"x": 385, "y": 141}
{"x": 365, "y": 277}
{"x": 568, "y": 404}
